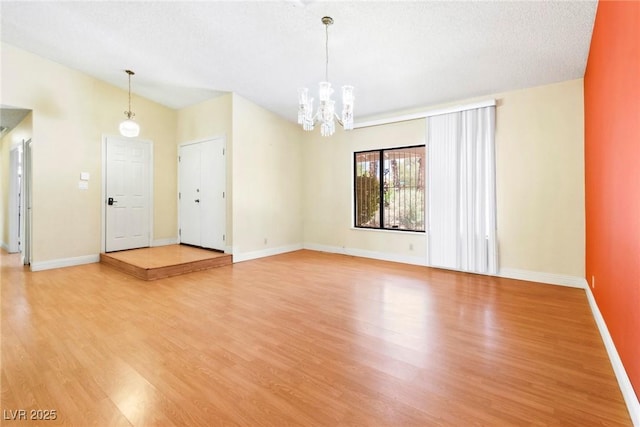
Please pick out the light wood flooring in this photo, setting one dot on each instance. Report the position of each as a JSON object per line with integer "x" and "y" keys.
{"x": 304, "y": 338}
{"x": 165, "y": 261}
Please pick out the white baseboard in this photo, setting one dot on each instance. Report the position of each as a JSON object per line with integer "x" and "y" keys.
{"x": 4, "y": 246}
{"x": 246, "y": 256}
{"x": 165, "y": 242}
{"x": 383, "y": 256}
{"x": 630, "y": 398}
{"x": 510, "y": 273}
{"x": 540, "y": 277}
{"x": 325, "y": 248}
{"x": 64, "y": 262}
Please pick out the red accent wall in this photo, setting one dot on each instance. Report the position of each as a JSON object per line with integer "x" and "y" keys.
{"x": 612, "y": 175}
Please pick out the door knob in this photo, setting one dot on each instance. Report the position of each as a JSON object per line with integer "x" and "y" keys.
{"x": 197, "y": 200}
{"x": 111, "y": 202}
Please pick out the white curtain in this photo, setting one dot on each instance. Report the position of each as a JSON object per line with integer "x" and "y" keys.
{"x": 462, "y": 197}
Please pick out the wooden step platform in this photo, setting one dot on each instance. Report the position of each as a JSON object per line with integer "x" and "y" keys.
{"x": 165, "y": 261}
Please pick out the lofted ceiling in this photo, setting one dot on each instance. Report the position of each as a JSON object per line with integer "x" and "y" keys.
{"x": 398, "y": 54}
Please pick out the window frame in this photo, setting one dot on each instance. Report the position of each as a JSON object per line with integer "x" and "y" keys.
{"x": 380, "y": 177}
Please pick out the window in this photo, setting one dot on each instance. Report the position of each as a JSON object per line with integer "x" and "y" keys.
{"x": 389, "y": 188}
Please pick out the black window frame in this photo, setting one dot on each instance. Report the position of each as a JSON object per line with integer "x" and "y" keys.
{"x": 380, "y": 177}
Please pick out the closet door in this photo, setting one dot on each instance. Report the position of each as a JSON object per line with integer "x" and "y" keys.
{"x": 213, "y": 194}
{"x": 202, "y": 194}
{"x": 190, "y": 195}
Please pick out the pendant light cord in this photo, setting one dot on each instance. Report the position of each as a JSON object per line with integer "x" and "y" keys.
{"x": 129, "y": 113}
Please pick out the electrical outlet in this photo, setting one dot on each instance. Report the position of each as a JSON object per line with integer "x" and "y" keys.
{"x": 265, "y": 240}
{"x": 593, "y": 282}
{"x": 410, "y": 246}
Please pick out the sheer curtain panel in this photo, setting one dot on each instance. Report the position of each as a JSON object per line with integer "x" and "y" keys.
{"x": 462, "y": 197}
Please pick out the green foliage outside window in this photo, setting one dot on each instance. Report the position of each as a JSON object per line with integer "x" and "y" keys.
{"x": 367, "y": 198}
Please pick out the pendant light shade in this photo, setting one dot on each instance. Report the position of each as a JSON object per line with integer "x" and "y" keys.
{"x": 129, "y": 127}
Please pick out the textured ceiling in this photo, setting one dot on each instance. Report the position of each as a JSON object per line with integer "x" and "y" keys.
{"x": 397, "y": 54}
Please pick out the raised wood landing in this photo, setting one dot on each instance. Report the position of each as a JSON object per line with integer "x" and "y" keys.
{"x": 165, "y": 261}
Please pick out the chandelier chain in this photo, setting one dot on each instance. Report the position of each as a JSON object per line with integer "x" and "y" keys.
{"x": 326, "y": 51}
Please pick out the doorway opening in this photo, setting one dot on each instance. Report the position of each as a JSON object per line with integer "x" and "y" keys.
{"x": 15, "y": 148}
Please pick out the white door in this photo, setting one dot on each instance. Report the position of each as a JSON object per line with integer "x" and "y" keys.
{"x": 190, "y": 197}
{"x": 212, "y": 203}
{"x": 202, "y": 194}
{"x": 128, "y": 194}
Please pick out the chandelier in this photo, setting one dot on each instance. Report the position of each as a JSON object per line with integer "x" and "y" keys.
{"x": 128, "y": 127}
{"x": 326, "y": 114}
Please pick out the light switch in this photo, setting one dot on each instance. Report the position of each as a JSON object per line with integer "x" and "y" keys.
{"x": 83, "y": 185}
{"x": 84, "y": 176}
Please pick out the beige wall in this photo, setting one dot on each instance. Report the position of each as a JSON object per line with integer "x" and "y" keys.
{"x": 540, "y": 183}
{"x": 267, "y": 186}
{"x": 205, "y": 120}
{"x": 540, "y": 179}
{"x": 71, "y": 113}
{"x": 16, "y": 136}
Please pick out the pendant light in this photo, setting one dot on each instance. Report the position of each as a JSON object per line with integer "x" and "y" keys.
{"x": 129, "y": 128}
